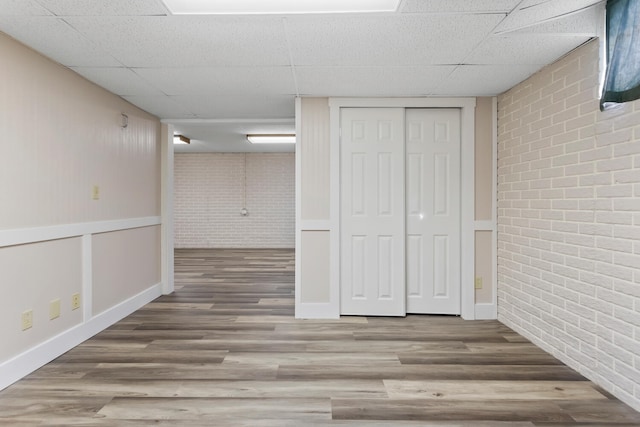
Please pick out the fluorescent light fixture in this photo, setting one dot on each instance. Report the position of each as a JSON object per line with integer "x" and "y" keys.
{"x": 181, "y": 139}
{"x": 272, "y": 139}
{"x": 259, "y": 7}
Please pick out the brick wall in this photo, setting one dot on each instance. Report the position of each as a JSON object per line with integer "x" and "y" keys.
{"x": 209, "y": 194}
{"x": 569, "y": 222}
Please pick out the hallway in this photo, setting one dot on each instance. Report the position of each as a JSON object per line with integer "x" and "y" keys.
{"x": 225, "y": 350}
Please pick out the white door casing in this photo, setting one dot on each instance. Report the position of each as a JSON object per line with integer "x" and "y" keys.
{"x": 372, "y": 208}
{"x": 433, "y": 210}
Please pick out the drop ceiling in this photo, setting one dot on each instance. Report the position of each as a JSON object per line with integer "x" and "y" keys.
{"x": 218, "y": 77}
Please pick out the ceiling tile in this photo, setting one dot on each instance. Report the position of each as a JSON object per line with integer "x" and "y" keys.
{"x": 121, "y": 81}
{"x": 439, "y": 6}
{"x": 370, "y": 81}
{"x": 484, "y": 80}
{"x": 105, "y": 8}
{"x": 55, "y": 39}
{"x": 188, "y": 41}
{"x": 22, "y": 8}
{"x": 583, "y": 23}
{"x": 163, "y": 107}
{"x": 535, "y": 11}
{"x": 386, "y": 40}
{"x": 217, "y": 81}
{"x": 243, "y": 106}
{"x": 539, "y": 49}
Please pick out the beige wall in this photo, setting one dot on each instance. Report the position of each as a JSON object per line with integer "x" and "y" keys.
{"x": 124, "y": 264}
{"x": 569, "y": 239}
{"x": 484, "y": 198}
{"x": 32, "y": 276}
{"x": 313, "y": 249}
{"x": 61, "y": 135}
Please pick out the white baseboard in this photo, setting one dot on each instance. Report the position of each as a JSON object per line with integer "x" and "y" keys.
{"x": 23, "y": 364}
{"x": 316, "y": 311}
{"x": 486, "y": 311}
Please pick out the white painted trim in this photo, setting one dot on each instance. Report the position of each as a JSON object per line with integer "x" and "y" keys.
{"x": 316, "y": 311}
{"x": 467, "y": 106}
{"x": 227, "y": 121}
{"x": 486, "y": 311}
{"x": 315, "y": 225}
{"x": 21, "y": 236}
{"x": 333, "y": 310}
{"x": 494, "y": 210}
{"x": 402, "y": 102}
{"x": 166, "y": 240}
{"x": 86, "y": 298}
{"x": 298, "y": 243}
{"x": 488, "y": 225}
{"x": 23, "y": 364}
{"x": 467, "y": 207}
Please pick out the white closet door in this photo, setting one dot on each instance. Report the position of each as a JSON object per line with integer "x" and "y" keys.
{"x": 433, "y": 210}
{"x": 372, "y": 212}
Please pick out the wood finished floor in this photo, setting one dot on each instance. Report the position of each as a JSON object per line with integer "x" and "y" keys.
{"x": 225, "y": 350}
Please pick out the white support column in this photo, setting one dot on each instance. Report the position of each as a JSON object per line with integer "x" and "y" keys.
{"x": 167, "y": 274}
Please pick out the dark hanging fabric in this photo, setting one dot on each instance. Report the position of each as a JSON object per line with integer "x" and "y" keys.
{"x": 622, "y": 79}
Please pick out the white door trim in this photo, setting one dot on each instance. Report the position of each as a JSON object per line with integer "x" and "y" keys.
{"x": 467, "y": 161}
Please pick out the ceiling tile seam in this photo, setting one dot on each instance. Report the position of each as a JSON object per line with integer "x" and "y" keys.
{"x": 544, "y": 21}
{"x": 39, "y": 3}
{"x": 89, "y": 42}
{"x": 148, "y": 82}
{"x": 548, "y": 1}
{"x": 290, "y": 51}
{"x": 506, "y": 17}
{"x": 158, "y": 2}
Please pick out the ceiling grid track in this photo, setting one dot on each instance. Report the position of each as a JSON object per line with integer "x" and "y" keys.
{"x": 290, "y": 51}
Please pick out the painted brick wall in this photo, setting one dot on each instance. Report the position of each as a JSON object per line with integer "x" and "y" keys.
{"x": 569, "y": 222}
{"x": 209, "y": 194}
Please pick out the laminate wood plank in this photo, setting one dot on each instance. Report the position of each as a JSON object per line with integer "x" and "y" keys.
{"x": 212, "y": 325}
{"x": 56, "y": 371}
{"x": 433, "y": 336}
{"x": 492, "y": 390}
{"x": 283, "y": 389}
{"x": 282, "y": 336}
{"x": 216, "y": 409}
{"x": 181, "y": 371}
{"x": 432, "y": 372}
{"x": 288, "y": 319}
{"x": 123, "y": 387}
{"x": 396, "y": 346}
{"x": 429, "y": 410}
{"x": 601, "y": 411}
{"x": 18, "y": 407}
{"x": 478, "y": 359}
{"x": 239, "y": 422}
{"x": 177, "y": 306}
{"x": 372, "y": 360}
{"x": 236, "y": 345}
{"x": 126, "y": 356}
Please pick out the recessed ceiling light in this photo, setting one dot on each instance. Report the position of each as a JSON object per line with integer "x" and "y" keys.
{"x": 255, "y": 7}
{"x": 272, "y": 139}
{"x": 181, "y": 139}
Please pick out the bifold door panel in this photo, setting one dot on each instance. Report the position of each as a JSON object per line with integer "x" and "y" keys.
{"x": 372, "y": 205}
{"x": 433, "y": 210}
